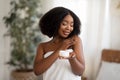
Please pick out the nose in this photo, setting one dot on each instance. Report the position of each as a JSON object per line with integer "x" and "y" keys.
{"x": 68, "y": 27}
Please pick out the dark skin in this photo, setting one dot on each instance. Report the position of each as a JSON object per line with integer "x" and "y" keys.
{"x": 76, "y": 58}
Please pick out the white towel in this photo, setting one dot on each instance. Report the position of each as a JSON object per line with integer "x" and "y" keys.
{"x": 60, "y": 70}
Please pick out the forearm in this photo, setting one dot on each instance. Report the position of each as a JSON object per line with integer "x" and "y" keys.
{"x": 77, "y": 66}
{"x": 45, "y": 63}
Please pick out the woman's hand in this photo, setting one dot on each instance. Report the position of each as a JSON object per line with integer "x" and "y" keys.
{"x": 71, "y": 56}
{"x": 65, "y": 44}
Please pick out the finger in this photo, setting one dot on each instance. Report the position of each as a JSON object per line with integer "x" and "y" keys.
{"x": 61, "y": 57}
{"x": 71, "y": 43}
{"x": 72, "y": 55}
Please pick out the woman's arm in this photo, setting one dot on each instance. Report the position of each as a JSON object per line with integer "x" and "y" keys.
{"x": 77, "y": 62}
{"x": 41, "y": 64}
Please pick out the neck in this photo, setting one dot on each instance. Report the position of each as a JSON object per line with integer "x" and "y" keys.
{"x": 57, "y": 39}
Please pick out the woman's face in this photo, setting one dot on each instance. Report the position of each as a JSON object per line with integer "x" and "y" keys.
{"x": 66, "y": 26}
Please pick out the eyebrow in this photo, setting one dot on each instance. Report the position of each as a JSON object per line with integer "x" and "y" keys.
{"x": 67, "y": 21}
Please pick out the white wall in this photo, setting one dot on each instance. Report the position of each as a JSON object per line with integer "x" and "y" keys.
{"x": 115, "y": 23}
{"x": 4, "y": 42}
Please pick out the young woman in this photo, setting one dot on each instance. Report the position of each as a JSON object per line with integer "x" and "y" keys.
{"x": 61, "y": 58}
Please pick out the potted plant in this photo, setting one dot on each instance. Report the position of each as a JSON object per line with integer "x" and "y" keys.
{"x": 21, "y": 24}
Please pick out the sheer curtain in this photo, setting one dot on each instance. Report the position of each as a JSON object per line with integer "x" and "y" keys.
{"x": 103, "y": 29}
{"x": 98, "y": 33}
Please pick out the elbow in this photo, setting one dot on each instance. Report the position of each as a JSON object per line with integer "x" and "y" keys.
{"x": 80, "y": 71}
{"x": 35, "y": 72}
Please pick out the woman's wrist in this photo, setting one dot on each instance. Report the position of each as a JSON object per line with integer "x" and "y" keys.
{"x": 57, "y": 51}
{"x": 72, "y": 56}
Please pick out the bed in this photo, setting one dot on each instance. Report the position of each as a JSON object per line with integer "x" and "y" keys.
{"x": 110, "y": 65}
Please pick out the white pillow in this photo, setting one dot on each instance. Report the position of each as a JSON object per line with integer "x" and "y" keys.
{"x": 109, "y": 71}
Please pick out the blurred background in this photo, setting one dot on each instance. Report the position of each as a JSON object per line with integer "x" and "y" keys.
{"x": 100, "y": 30}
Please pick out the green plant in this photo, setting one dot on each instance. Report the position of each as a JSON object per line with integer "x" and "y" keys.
{"x": 22, "y": 30}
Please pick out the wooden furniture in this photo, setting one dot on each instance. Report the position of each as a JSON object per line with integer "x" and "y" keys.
{"x": 110, "y": 55}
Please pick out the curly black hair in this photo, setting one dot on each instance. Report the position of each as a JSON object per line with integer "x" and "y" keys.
{"x": 50, "y": 21}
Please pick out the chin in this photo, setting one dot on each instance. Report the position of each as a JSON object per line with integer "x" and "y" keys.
{"x": 65, "y": 37}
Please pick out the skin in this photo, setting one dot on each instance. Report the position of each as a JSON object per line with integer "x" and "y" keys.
{"x": 61, "y": 42}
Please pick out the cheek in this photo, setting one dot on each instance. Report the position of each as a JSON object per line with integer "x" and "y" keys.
{"x": 60, "y": 30}
{"x": 62, "y": 27}
{"x": 72, "y": 28}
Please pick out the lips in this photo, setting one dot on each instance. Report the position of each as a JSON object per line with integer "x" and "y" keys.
{"x": 66, "y": 33}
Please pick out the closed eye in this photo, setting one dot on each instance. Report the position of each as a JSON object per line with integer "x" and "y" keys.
{"x": 71, "y": 25}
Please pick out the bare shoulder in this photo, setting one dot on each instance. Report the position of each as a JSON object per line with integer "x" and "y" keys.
{"x": 77, "y": 38}
{"x": 42, "y": 45}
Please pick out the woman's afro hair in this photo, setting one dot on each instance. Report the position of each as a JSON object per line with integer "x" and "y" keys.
{"x": 50, "y": 21}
